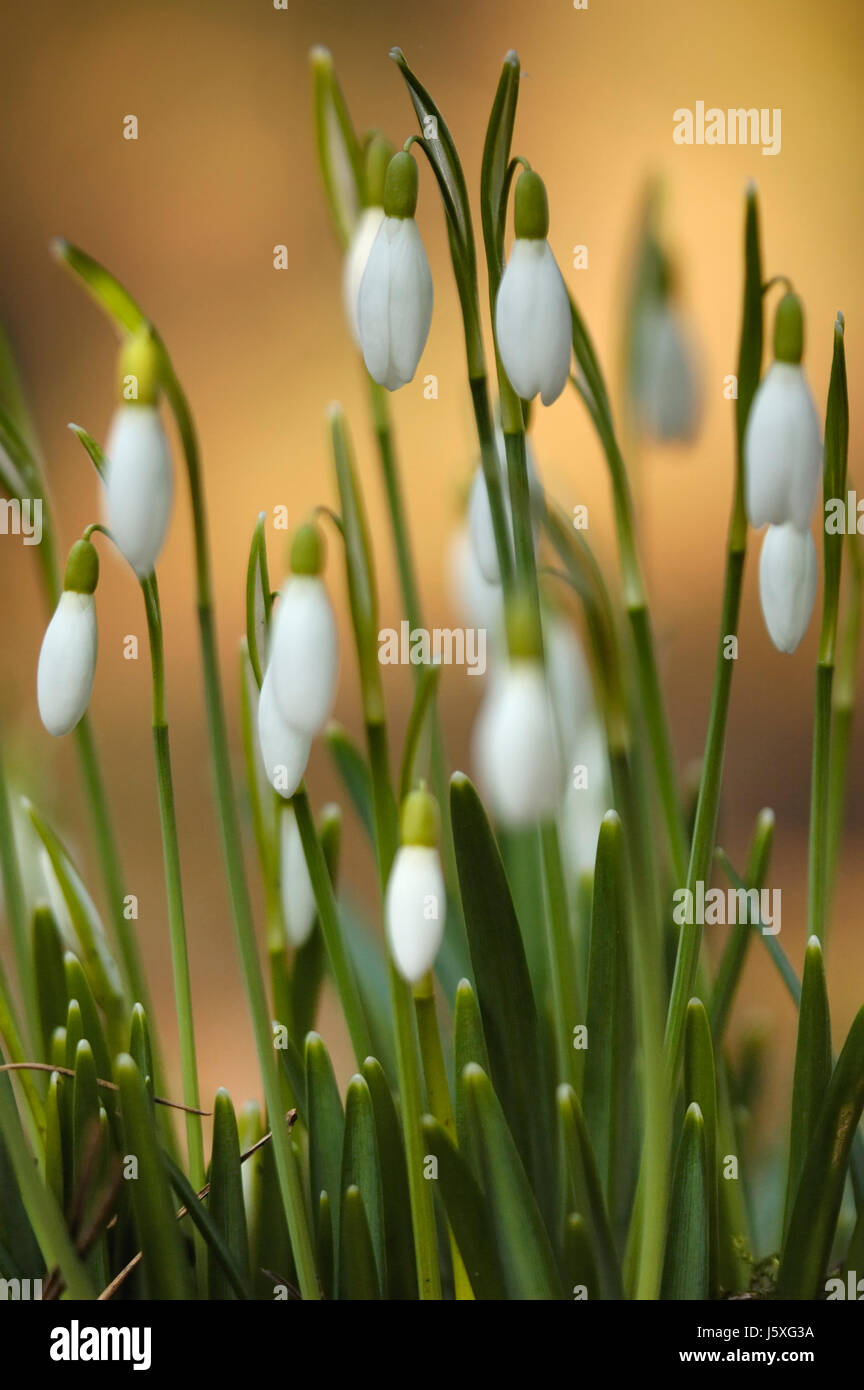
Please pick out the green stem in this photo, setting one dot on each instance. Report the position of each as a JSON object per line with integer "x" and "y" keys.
{"x": 398, "y": 524}
{"x": 492, "y": 477}
{"x": 819, "y": 784}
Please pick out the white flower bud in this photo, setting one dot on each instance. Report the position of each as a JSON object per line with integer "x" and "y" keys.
{"x": 67, "y": 663}
{"x": 782, "y": 449}
{"x": 415, "y": 907}
{"x": 304, "y": 654}
{"x": 516, "y": 746}
{"x": 298, "y": 897}
{"x": 394, "y": 304}
{"x": 532, "y": 321}
{"x": 356, "y": 259}
{"x": 284, "y": 750}
{"x": 480, "y": 513}
{"x": 139, "y": 484}
{"x": 787, "y": 584}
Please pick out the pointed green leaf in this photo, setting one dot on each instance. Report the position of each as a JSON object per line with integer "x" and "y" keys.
{"x": 139, "y": 1044}
{"x": 580, "y": 1269}
{"x": 813, "y": 1062}
{"x": 361, "y": 1167}
{"x": 588, "y": 1192}
{"x": 700, "y": 1085}
{"x": 686, "y": 1272}
{"x": 324, "y": 1246}
{"x": 50, "y": 973}
{"x": 326, "y": 1125}
{"x": 467, "y": 1213}
{"x": 494, "y": 180}
{"x": 398, "y": 1232}
{"x": 258, "y": 599}
{"x": 225, "y": 1202}
{"x": 354, "y": 771}
{"x": 78, "y": 987}
{"x": 85, "y": 1109}
{"x": 358, "y": 1271}
{"x": 217, "y": 1246}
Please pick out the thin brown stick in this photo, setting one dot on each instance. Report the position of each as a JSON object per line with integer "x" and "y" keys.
{"x": 109, "y": 1085}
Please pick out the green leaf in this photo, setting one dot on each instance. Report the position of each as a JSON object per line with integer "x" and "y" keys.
{"x": 50, "y": 974}
{"x": 580, "y": 1269}
{"x": 354, "y": 771}
{"x": 361, "y": 1169}
{"x": 85, "y": 1109}
{"x": 834, "y": 485}
{"x": 398, "y": 1231}
{"x": 326, "y": 1125}
{"x": 585, "y": 1180}
{"x": 810, "y": 1233}
{"x": 360, "y": 570}
{"x": 469, "y": 1045}
{"x": 503, "y": 983}
{"x": 339, "y": 155}
{"x": 225, "y": 1202}
{"x": 357, "y": 1264}
{"x": 813, "y": 1062}
{"x": 258, "y": 599}
{"x": 109, "y": 294}
{"x": 78, "y": 987}
{"x": 97, "y": 457}
{"x": 54, "y": 1140}
{"x": 686, "y": 1273}
{"x": 159, "y": 1240}
{"x": 700, "y": 1086}
{"x": 467, "y": 1213}
{"x": 324, "y": 1246}
{"x": 523, "y": 1243}
{"x": 494, "y": 172}
{"x": 293, "y": 1067}
{"x": 752, "y": 327}
{"x": 139, "y": 1044}
{"x": 308, "y": 968}
{"x": 218, "y": 1248}
{"x": 732, "y": 961}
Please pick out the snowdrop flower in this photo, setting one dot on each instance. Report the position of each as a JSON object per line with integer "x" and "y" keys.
{"x": 394, "y": 306}
{"x": 67, "y": 661}
{"x": 365, "y": 230}
{"x": 588, "y": 796}
{"x": 139, "y": 477}
{"x": 477, "y": 600}
{"x": 568, "y": 679}
{"x": 782, "y": 445}
{"x": 415, "y": 902}
{"x": 666, "y": 387}
{"x": 304, "y": 649}
{"x": 532, "y": 310}
{"x": 787, "y": 584}
{"x": 284, "y": 750}
{"x": 298, "y": 897}
{"x": 516, "y": 745}
{"x": 480, "y": 513}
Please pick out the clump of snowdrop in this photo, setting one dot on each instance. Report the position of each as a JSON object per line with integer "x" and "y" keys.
{"x": 366, "y": 229}
{"x": 139, "y": 475}
{"x": 787, "y": 584}
{"x": 298, "y": 896}
{"x": 415, "y": 903}
{"x": 480, "y": 513}
{"x": 67, "y": 660}
{"x": 782, "y": 445}
{"x": 394, "y": 305}
{"x": 532, "y": 308}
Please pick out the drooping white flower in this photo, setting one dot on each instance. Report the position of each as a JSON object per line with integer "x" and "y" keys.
{"x": 782, "y": 444}
{"x": 532, "y": 309}
{"x": 788, "y": 573}
{"x": 284, "y": 750}
{"x": 415, "y": 902}
{"x": 568, "y": 680}
{"x": 298, "y": 897}
{"x": 356, "y": 260}
{"x": 139, "y": 475}
{"x": 588, "y": 796}
{"x": 480, "y": 512}
{"x": 67, "y": 659}
{"x": 516, "y": 746}
{"x": 304, "y": 646}
{"x": 394, "y": 304}
{"x": 665, "y": 382}
{"x": 480, "y": 602}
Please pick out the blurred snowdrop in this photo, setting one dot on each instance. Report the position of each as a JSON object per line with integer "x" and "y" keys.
{"x": 304, "y": 644}
{"x": 478, "y": 601}
{"x": 67, "y": 659}
{"x": 298, "y": 897}
{"x": 532, "y": 308}
{"x": 516, "y": 745}
{"x": 787, "y": 584}
{"x": 394, "y": 304}
{"x": 783, "y": 445}
{"x": 480, "y": 513}
{"x": 588, "y": 795}
{"x": 665, "y": 382}
{"x": 139, "y": 475}
{"x": 284, "y": 750}
{"x": 415, "y": 902}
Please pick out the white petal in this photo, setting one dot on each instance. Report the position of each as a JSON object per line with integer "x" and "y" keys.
{"x": 532, "y": 322}
{"x": 477, "y": 600}
{"x": 568, "y": 679}
{"x": 67, "y": 663}
{"x": 394, "y": 307}
{"x": 139, "y": 485}
{"x": 304, "y": 654}
{"x": 284, "y": 750}
{"x": 356, "y": 259}
{"x": 788, "y": 574}
{"x": 415, "y": 909}
{"x": 516, "y": 746}
{"x": 298, "y": 897}
{"x": 782, "y": 450}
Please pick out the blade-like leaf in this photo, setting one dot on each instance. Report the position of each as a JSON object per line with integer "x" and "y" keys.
{"x": 225, "y": 1201}
{"x": 354, "y": 771}
{"x": 326, "y": 1124}
{"x": 398, "y": 1233}
{"x": 359, "y": 1272}
{"x": 361, "y": 1168}
{"x": 813, "y": 1063}
{"x": 700, "y": 1086}
{"x": 258, "y": 600}
{"x": 468, "y": 1214}
{"x": 50, "y": 974}
{"x": 686, "y": 1273}
{"x": 585, "y": 1180}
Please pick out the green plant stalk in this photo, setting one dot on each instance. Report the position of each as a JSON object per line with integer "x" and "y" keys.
{"x": 40, "y": 1204}
{"x": 819, "y": 783}
{"x": 440, "y": 1102}
{"x": 843, "y": 714}
{"x": 566, "y": 992}
{"x": 174, "y": 889}
{"x": 328, "y": 915}
{"x": 16, "y": 914}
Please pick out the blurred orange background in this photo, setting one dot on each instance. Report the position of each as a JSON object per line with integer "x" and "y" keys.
{"x": 188, "y": 216}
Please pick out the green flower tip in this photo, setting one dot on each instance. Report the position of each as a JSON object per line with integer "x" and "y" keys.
{"x": 379, "y": 153}
{"x": 421, "y": 820}
{"x": 789, "y": 329}
{"x": 82, "y": 568}
{"x": 814, "y": 944}
{"x": 139, "y": 369}
{"x": 531, "y": 217}
{"x": 523, "y": 631}
{"x": 400, "y": 185}
{"x": 320, "y": 58}
{"x": 307, "y": 550}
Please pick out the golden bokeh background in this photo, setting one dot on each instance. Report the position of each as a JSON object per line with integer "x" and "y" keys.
{"x": 188, "y": 216}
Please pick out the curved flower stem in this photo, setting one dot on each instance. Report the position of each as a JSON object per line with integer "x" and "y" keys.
{"x": 398, "y": 523}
